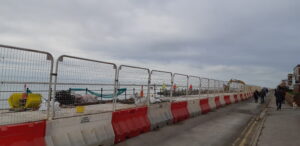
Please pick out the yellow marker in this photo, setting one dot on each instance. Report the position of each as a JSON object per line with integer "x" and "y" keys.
{"x": 80, "y": 109}
{"x": 164, "y": 86}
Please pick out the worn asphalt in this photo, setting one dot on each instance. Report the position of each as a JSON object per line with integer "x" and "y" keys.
{"x": 219, "y": 128}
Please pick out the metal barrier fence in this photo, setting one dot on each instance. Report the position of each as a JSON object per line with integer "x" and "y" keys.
{"x": 194, "y": 86}
{"x": 212, "y": 86}
{"x": 160, "y": 86}
{"x": 180, "y": 85}
{"x": 205, "y": 86}
{"x": 81, "y": 81}
{"x": 85, "y": 86}
{"x": 25, "y": 84}
{"x": 136, "y": 80}
{"x": 220, "y": 86}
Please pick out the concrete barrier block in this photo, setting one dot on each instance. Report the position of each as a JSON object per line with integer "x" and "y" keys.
{"x": 212, "y": 103}
{"x": 222, "y": 100}
{"x": 80, "y": 131}
{"x": 232, "y": 99}
{"x": 160, "y": 115}
{"x": 194, "y": 107}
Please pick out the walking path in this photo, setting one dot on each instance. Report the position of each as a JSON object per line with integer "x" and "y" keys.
{"x": 280, "y": 128}
{"x": 219, "y": 128}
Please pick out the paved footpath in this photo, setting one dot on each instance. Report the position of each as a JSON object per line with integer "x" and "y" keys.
{"x": 219, "y": 128}
{"x": 281, "y": 128}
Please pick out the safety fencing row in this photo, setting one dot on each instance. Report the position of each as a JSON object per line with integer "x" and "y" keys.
{"x": 34, "y": 86}
{"x": 112, "y": 127}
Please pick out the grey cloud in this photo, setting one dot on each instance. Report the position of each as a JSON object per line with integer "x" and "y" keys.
{"x": 236, "y": 35}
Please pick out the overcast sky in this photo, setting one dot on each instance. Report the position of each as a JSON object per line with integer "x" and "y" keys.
{"x": 257, "y": 41}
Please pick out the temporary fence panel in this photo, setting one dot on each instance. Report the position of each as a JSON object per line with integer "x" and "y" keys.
{"x": 25, "y": 82}
{"x": 212, "y": 86}
{"x": 194, "y": 87}
{"x": 218, "y": 86}
{"x": 204, "y": 87}
{"x": 232, "y": 87}
{"x": 222, "y": 86}
{"x": 136, "y": 82}
{"x": 160, "y": 87}
{"x": 83, "y": 86}
{"x": 180, "y": 86}
{"x": 226, "y": 87}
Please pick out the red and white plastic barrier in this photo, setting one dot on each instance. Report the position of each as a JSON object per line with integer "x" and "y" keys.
{"x": 129, "y": 123}
{"x": 112, "y": 127}
{"x": 204, "y": 105}
{"x": 222, "y": 100}
{"x": 242, "y": 97}
{"x": 179, "y": 111}
{"x": 218, "y": 102}
{"x": 227, "y": 99}
{"x": 25, "y": 134}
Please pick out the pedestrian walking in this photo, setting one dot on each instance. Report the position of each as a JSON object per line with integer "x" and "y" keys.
{"x": 263, "y": 94}
{"x": 256, "y": 96}
{"x": 279, "y": 94}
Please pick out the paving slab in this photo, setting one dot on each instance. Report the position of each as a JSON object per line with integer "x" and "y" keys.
{"x": 281, "y": 128}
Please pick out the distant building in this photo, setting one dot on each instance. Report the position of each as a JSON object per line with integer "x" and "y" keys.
{"x": 297, "y": 73}
{"x": 297, "y": 78}
{"x": 284, "y": 82}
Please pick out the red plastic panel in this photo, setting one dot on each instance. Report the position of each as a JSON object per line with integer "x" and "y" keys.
{"x": 236, "y": 100}
{"x": 204, "y": 105}
{"x": 179, "y": 111}
{"x": 25, "y": 134}
{"x": 129, "y": 123}
{"x": 227, "y": 99}
{"x": 242, "y": 97}
{"x": 217, "y": 101}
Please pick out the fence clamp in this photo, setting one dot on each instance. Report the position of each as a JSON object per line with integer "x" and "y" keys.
{"x": 53, "y": 74}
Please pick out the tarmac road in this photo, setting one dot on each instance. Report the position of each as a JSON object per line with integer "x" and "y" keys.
{"x": 219, "y": 128}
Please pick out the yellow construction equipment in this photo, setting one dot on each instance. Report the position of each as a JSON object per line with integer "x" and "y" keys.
{"x": 32, "y": 101}
{"x": 226, "y": 87}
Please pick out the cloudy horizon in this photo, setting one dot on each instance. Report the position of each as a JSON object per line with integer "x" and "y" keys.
{"x": 254, "y": 41}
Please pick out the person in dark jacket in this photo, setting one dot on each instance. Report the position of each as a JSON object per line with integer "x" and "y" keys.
{"x": 262, "y": 95}
{"x": 256, "y": 96}
{"x": 279, "y": 94}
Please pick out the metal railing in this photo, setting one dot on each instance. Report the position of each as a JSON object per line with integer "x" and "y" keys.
{"x": 98, "y": 86}
{"x": 180, "y": 83}
{"x": 136, "y": 79}
{"x": 161, "y": 85}
{"x": 75, "y": 77}
{"x": 24, "y": 72}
